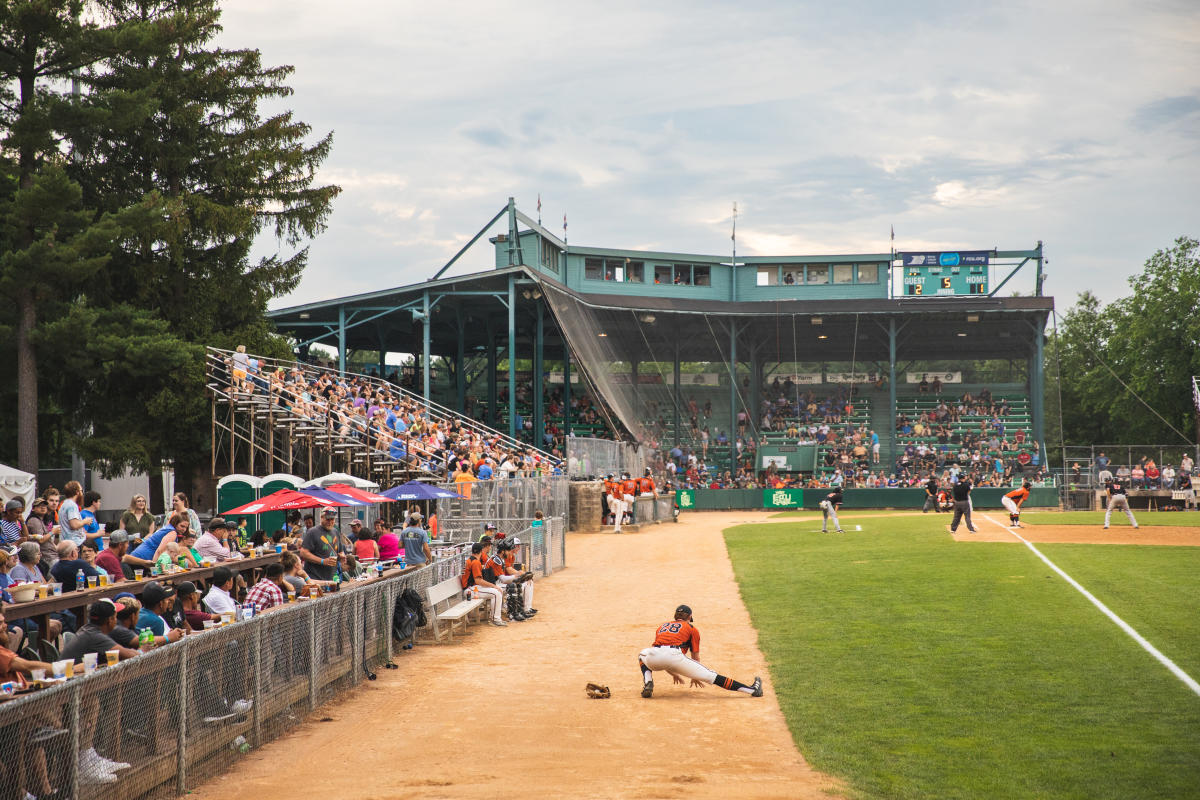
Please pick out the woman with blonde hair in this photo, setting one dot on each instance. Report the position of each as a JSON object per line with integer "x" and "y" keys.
{"x": 137, "y": 521}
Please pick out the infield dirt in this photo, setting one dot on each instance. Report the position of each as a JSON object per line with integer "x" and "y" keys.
{"x": 502, "y": 712}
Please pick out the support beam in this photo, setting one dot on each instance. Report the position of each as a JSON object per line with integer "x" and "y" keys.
{"x": 1037, "y": 395}
{"x": 342, "y": 340}
{"x": 733, "y": 332}
{"x": 426, "y": 322}
{"x": 891, "y": 432}
{"x": 678, "y": 377}
{"x": 566, "y": 389}
{"x": 539, "y": 386}
{"x": 492, "y": 417}
{"x": 634, "y": 365}
{"x": 512, "y": 352}
{"x": 460, "y": 367}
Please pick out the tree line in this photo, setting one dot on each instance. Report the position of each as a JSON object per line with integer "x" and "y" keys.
{"x": 138, "y": 165}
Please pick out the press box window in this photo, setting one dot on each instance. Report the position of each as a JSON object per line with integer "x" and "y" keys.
{"x": 792, "y": 276}
{"x": 767, "y": 276}
{"x": 702, "y": 275}
{"x": 683, "y": 274}
{"x": 664, "y": 275}
{"x": 549, "y": 255}
{"x": 843, "y": 273}
{"x": 868, "y": 273}
{"x": 593, "y": 269}
{"x": 818, "y": 273}
{"x": 635, "y": 272}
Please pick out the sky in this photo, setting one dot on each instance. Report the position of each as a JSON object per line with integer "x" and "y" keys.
{"x": 962, "y": 124}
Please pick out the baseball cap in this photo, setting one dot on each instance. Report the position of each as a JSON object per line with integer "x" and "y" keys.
{"x": 489, "y": 527}
{"x": 118, "y": 537}
{"x": 683, "y": 610}
{"x": 39, "y": 501}
{"x": 187, "y": 589}
{"x": 354, "y": 522}
{"x": 104, "y": 608}
{"x": 485, "y": 539}
{"x": 155, "y": 593}
{"x": 516, "y": 542}
{"x": 218, "y": 522}
{"x": 328, "y": 511}
{"x": 13, "y": 505}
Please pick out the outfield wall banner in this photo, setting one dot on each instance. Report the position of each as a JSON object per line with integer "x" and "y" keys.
{"x": 944, "y": 377}
{"x": 783, "y": 498}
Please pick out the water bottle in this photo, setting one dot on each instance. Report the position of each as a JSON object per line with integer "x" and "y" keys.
{"x": 401, "y": 562}
{"x": 240, "y": 745}
{"x": 80, "y": 581}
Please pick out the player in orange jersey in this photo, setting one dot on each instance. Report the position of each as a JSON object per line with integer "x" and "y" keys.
{"x": 1013, "y": 500}
{"x": 672, "y": 641}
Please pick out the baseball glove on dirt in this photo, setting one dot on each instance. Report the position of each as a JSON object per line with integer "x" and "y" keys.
{"x": 598, "y": 692}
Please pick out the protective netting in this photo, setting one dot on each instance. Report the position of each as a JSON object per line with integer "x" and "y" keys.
{"x": 190, "y": 711}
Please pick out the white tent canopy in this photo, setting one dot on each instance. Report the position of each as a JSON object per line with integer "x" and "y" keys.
{"x": 341, "y": 477}
{"x": 16, "y": 483}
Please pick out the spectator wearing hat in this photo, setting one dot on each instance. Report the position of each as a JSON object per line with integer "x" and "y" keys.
{"x": 109, "y": 559}
{"x": 188, "y": 607}
{"x": 268, "y": 592}
{"x": 157, "y": 600}
{"x": 319, "y": 549}
{"x": 128, "y": 608}
{"x": 214, "y": 543}
{"x": 12, "y": 526}
{"x": 416, "y": 544}
{"x": 219, "y": 598}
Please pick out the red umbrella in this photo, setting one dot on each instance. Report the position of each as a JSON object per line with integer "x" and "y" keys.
{"x": 358, "y": 494}
{"x": 282, "y": 500}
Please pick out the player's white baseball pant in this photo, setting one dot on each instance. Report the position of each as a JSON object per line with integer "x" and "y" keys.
{"x": 672, "y": 659}
{"x": 628, "y": 504}
{"x": 1122, "y": 502}
{"x": 526, "y": 589}
{"x": 617, "y": 508}
{"x": 1008, "y": 503}
{"x": 491, "y": 594}
{"x": 826, "y": 513}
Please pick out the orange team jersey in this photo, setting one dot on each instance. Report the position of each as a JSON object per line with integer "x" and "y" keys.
{"x": 678, "y": 633}
{"x": 496, "y": 562}
{"x": 510, "y": 558}
{"x": 629, "y": 486}
{"x": 1018, "y": 496}
{"x": 645, "y": 485}
{"x": 608, "y": 487}
{"x": 472, "y": 572}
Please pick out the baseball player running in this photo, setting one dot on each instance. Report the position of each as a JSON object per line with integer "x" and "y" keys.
{"x": 672, "y": 641}
{"x": 829, "y": 507}
{"x": 1013, "y": 500}
{"x": 1118, "y": 499}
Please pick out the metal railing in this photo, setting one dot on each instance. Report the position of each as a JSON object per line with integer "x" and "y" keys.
{"x": 1122, "y": 457}
{"x": 189, "y": 711}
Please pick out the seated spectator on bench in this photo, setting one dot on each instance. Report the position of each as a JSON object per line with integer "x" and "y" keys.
{"x": 69, "y": 563}
{"x": 268, "y": 592}
{"x": 27, "y": 570}
{"x": 109, "y": 559}
{"x": 187, "y": 606}
{"x": 214, "y": 543}
{"x": 153, "y": 546}
{"x": 128, "y": 609}
{"x": 219, "y": 600}
{"x": 365, "y": 546}
{"x": 293, "y": 573}
{"x": 157, "y": 602}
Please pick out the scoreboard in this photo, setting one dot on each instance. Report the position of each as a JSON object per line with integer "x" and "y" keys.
{"x": 946, "y": 274}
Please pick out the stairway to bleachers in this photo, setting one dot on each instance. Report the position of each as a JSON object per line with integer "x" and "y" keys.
{"x": 273, "y": 415}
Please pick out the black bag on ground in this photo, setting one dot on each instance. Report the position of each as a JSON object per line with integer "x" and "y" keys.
{"x": 408, "y": 615}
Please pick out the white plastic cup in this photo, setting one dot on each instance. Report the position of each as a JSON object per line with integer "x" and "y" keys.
{"x": 90, "y": 662}
{"x": 60, "y": 669}
{"x": 38, "y": 674}
{"x": 56, "y": 588}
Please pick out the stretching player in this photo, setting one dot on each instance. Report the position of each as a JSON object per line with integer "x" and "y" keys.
{"x": 672, "y": 641}
{"x": 829, "y": 507}
{"x": 1013, "y": 500}
{"x": 1118, "y": 499}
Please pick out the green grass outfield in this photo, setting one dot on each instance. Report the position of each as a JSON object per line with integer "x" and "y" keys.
{"x": 912, "y": 666}
{"x": 1183, "y": 519}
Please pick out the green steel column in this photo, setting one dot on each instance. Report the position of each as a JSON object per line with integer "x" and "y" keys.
{"x": 460, "y": 369}
{"x": 539, "y": 360}
{"x": 566, "y": 388}
{"x": 633, "y": 379}
{"x": 512, "y": 355}
{"x": 341, "y": 340}
{"x": 1037, "y": 390}
{"x": 891, "y": 431}
{"x": 426, "y": 323}
{"x": 678, "y": 377}
{"x": 732, "y": 433}
{"x": 382, "y": 359}
{"x": 755, "y": 380}
{"x": 492, "y": 417}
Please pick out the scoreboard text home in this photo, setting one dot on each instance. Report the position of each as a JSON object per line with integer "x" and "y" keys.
{"x": 946, "y": 274}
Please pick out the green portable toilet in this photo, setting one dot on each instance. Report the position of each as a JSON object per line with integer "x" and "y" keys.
{"x": 237, "y": 490}
{"x": 274, "y": 520}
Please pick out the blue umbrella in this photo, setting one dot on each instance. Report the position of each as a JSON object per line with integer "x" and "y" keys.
{"x": 327, "y": 496}
{"x": 415, "y": 490}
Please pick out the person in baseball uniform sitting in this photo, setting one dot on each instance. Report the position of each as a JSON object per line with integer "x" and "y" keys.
{"x": 672, "y": 641}
{"x": 1118, "y": 499}
{"x": 829, "y": 507}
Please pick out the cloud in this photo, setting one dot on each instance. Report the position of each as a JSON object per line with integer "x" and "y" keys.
{"x": 1166, "y": 111}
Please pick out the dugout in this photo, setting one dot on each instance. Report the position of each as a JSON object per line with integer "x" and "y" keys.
{"x": 643, "y": 332}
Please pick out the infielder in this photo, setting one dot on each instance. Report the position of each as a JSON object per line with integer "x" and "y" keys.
{"x": 672, "y": 641}
{"x": 1118, "y": 499}
{"x": 829, "y": 507}
{"x": 1013, "y": 500}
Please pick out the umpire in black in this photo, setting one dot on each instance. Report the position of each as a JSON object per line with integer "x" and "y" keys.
{"x": 962, "y": 503}
{"x": 931, "y": 493}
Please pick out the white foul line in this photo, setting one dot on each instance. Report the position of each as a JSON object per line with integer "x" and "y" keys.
{"x": 1122, "y": 624}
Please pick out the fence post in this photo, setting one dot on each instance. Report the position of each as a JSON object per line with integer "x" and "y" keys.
{"x": 181, "y": 728}
{"x": 312, "y": 656}
{"x": 73, "y": 763}
{"x": 258, "y": 682}
{"x": 357, "y": 641}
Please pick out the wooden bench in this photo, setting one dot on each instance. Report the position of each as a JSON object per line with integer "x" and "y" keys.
{"x": 446, "y": 605}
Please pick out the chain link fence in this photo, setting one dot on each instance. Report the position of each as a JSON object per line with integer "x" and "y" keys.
{"x": 189, "y": 711}
{"x": 505, "y": 498}
{"x": 1082, "y": 466}
{"x": 594, "y": 458}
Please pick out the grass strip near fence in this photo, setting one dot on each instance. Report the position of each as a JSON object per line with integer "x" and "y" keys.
{"x": 1179, "y": 519}
{"x": 915, "y": 667}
